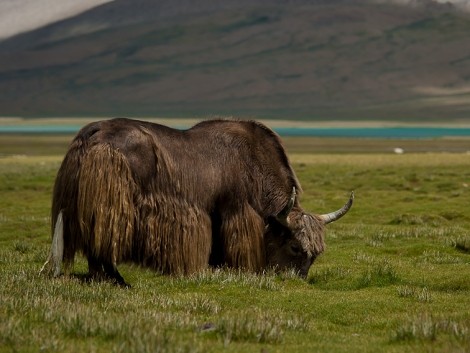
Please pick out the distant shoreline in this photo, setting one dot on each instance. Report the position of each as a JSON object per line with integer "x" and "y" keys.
{"x": 273, "y": 123}
{"x": 335, "y": 129}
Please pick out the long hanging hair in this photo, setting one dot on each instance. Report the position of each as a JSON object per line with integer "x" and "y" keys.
{"x": 110, "y": 214}
{"x": 112, "y": 219}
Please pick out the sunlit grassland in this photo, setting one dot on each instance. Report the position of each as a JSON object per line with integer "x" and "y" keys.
{"x": 395, "y": 276}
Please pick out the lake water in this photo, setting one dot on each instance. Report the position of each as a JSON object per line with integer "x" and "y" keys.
{"x": 363, "y": 132}
{"x": 378, "y": 132}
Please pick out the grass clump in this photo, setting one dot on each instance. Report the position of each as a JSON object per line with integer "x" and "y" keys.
{"x": 21, "y": 247}
{"x": 258, "y": 326}
{"x": 427, "y": 327}
{"x": 419, "y": 219}
{"x": 223, "y": 276}
{"x": 375, "y": 274}
{"x": 379, "y": 275}
{"x": 420, "y": 294}
{"x": 462, "y": 243}
{"x": 249, "y": 328}
{"x": 439, "y": 257}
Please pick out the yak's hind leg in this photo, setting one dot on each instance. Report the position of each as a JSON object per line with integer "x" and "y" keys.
{"x": 106, "y": 210}
{"x": 100, "y": 270}
{"x": 113, "y": 274}
{"x": 242, "y": 238}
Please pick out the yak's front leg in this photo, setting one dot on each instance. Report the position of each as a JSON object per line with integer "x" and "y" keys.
{"x": 242, "y": 235}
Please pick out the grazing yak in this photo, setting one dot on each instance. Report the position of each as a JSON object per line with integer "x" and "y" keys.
{"x": 221, "y": 193}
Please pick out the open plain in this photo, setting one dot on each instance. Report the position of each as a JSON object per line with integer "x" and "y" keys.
{"x": 395, "y": 276}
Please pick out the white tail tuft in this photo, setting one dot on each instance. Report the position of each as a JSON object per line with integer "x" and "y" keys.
{"x": 57, "y": 248}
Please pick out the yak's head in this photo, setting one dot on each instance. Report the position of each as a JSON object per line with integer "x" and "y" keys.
{"x": 294, "y": 238}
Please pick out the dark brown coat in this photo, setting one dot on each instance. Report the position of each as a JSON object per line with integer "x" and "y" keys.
{"x": 180, "y": 201}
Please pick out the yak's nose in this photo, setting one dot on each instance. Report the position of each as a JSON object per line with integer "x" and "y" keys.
{"x": 305, "y": 268}
{"x": 304, "y": 272}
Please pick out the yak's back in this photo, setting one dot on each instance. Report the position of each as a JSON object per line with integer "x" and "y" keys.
{"x": 260, "y": 159}
{"x": 227, "y": 156}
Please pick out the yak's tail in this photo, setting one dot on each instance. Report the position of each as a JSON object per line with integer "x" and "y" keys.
{"x": 54, "y": 262}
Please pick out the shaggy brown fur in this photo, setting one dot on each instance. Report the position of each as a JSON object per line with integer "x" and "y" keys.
{"x": 178, "y": 201}
{"x": 242, "y": 233}
{"x": 105, "y": 204}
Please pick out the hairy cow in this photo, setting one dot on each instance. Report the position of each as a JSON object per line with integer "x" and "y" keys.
{"x": 221, "y": 193}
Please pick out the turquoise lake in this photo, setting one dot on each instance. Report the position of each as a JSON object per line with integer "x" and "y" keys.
{"x": 363, "y": 132}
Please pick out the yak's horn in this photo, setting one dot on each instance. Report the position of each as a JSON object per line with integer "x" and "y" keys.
{"x": 282, "y": 216}
{"x": 333, "y": 216}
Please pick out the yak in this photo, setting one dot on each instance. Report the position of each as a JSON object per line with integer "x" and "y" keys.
{"x": 221, "y": 193}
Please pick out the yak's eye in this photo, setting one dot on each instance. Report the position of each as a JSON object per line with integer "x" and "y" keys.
{"x": 295, "y": 249}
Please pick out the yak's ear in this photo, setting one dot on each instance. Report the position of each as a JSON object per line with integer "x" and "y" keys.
{"x": 275, "y": 230}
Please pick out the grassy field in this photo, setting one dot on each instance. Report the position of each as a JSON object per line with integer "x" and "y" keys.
{"x": 395, "y": 276}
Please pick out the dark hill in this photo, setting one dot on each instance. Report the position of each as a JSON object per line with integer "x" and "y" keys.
{"x": 280, "y": 59}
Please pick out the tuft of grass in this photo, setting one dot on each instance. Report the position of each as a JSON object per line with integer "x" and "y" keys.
{"x": 249, "y": 329}
{"x": 379, "y": 275}
{"x": 419, "y": 219}
{"x": 438, "y": 257}
{"x": 21, "y": 246}
{"x": 375, "y": 274}
{"x": 223, "y": 276}
{"x": 362, "y": 257}
{"x": 427, "y": 327}
{"x": 258, "y": 326}
{"x": 192, "y": 304}
{"x": 462, "y": 243}
{"x": 332, "y": 277}
{"x": 420, "y": 294}
{"x": 452, "y": 215}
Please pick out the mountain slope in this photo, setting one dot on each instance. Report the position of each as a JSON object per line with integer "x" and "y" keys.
{"x": 299, "y": 59}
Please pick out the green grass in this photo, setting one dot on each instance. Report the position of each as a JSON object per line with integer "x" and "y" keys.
{"x": 395, "y": 276}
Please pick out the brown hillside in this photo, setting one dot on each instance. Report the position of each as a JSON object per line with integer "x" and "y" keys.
{"x": 300, "y": 59}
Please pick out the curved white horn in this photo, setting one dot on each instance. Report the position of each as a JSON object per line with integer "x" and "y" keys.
{"x": 333, "y": 216}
